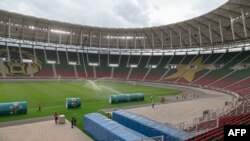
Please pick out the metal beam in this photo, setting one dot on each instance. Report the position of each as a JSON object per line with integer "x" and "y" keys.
{"x": 244, "y": 22}
{"x": 70, "y": 39}
{"x": 221, "y": 32}
{"x": 232, "y": 26}
{"x": 100, "y": 39}
{"x": 190, "y": 36}
{"x": 81, "y": 38}
{"x": 90, "y": 39}
{"x": 221, "y": 16}
{"x": 153, "y": 42}
{"x": 185, "y": 31}
{"x": 210, "y": 33}
{"x": 171, "y": 39}
{"x": 180, "y": 38}
{"x": 9, "y": 24}
{"x": 48, "y": 34}
{"x": 199, "y": 27}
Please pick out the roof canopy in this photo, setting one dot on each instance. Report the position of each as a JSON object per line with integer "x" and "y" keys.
{"x": 227, "y": 24}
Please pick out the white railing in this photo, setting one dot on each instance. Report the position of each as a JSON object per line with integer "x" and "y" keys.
{"x": 211, "y": 120}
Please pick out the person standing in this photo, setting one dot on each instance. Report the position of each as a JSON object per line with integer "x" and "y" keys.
{"x": 14, "y": 109}
{"x": 153, "y": 104}
{"x": 56, "y": 117}
{"x": 73, "y": 121}
{"x": 39, "y": 108}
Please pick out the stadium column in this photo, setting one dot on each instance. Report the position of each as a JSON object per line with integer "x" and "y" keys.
{"x": 148, "y": 71}
{"x": 100, "y": 41}
{"x": 210, "y": 33}
{"x": 9, "y": 32}
{"x": 67, "y": 56}
{"x": 2, "y": 68}
{"x": 126, "y": 41}
{"x": 190, "y": 37}
{"x": 84, "y": 65}
{"x": 112, "y": 72}
{"x": 77, "y": 63}
{"x": 30, "y": 70}
{"x": 70, "y": 41}
{"x": 135, "y": 41}
{"x": 199, "y": 27}
{"x": 34, "y": 52}
{"x": 153, "y": 43}
{"x": 162, "y": 41}
{"x": 8, "y": 52}
{"x": 221, "y": 32}
{"x": 81, "y": 38}
{"x": 57, "y": 56}
{"x": 148, "y": 67}
{"x": 244, "y": 22}
{"x": 171, "y": 39}
{"x": 75, "y": 70}
{"x": 232, "y": 26}
{"x": 144, "y": 43}
{"x": 9, "y": 28}
{"x": 20, "y": 52}
{"x": 54, "y": 70}
{"x": 90, "y": 39}
{"x": 45, "y": 55}
{"x": 60, "y": 36}
{"x": 180, "y": 38}
{"x": 130, "y": 70}
{"x": 48, "y": 34}
{"x": 94, "y": 69}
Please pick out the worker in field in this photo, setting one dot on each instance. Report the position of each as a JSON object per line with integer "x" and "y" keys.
{"x": 56, "y": 117}
{"x": 39, "y": 108}
{"x": 73, "y": 121}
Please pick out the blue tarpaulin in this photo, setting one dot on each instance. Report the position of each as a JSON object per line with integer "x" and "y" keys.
{"x": 118, "y": 98}
{"x": 104, "y": 129}
{"x": 149, "y": 127}
{"x": 13, "y": 108}
{"x": 73, "y": 102}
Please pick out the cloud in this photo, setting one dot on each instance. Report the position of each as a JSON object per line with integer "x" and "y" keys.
{"x": 113, "y": 13}
{"x": 134, "y": 12}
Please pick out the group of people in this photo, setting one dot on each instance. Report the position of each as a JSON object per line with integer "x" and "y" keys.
{"x": 109, "y": 115}
{"x": 73, "y": 119}
{"x": 184, "y": 96}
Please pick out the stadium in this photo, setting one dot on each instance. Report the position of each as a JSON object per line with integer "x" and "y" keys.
{"x": 181, "y": 81}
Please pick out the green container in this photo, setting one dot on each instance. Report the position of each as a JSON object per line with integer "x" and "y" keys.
{"x": 13, "y": 108}
{"x": 125, "y": 98}
{"x": 137, "y": 97}
{"x": 73, "y": 102}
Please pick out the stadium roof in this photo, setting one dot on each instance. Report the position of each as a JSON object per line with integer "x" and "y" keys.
{"x": 230, "y": 23}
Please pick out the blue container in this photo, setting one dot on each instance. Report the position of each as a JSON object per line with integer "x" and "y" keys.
{"x": 103, "y": 129}
{"x": 73, "y": 102}
{"x": 149, "y": 127}
{"x": 13, "y": 108}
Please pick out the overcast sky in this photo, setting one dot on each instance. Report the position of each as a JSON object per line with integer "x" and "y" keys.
{"x": 113, "y": 13}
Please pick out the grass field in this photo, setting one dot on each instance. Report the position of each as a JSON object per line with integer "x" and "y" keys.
{"x": 51, "y": 96}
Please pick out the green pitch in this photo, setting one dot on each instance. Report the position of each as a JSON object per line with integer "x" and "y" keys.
{"x": 51, "y": 96}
